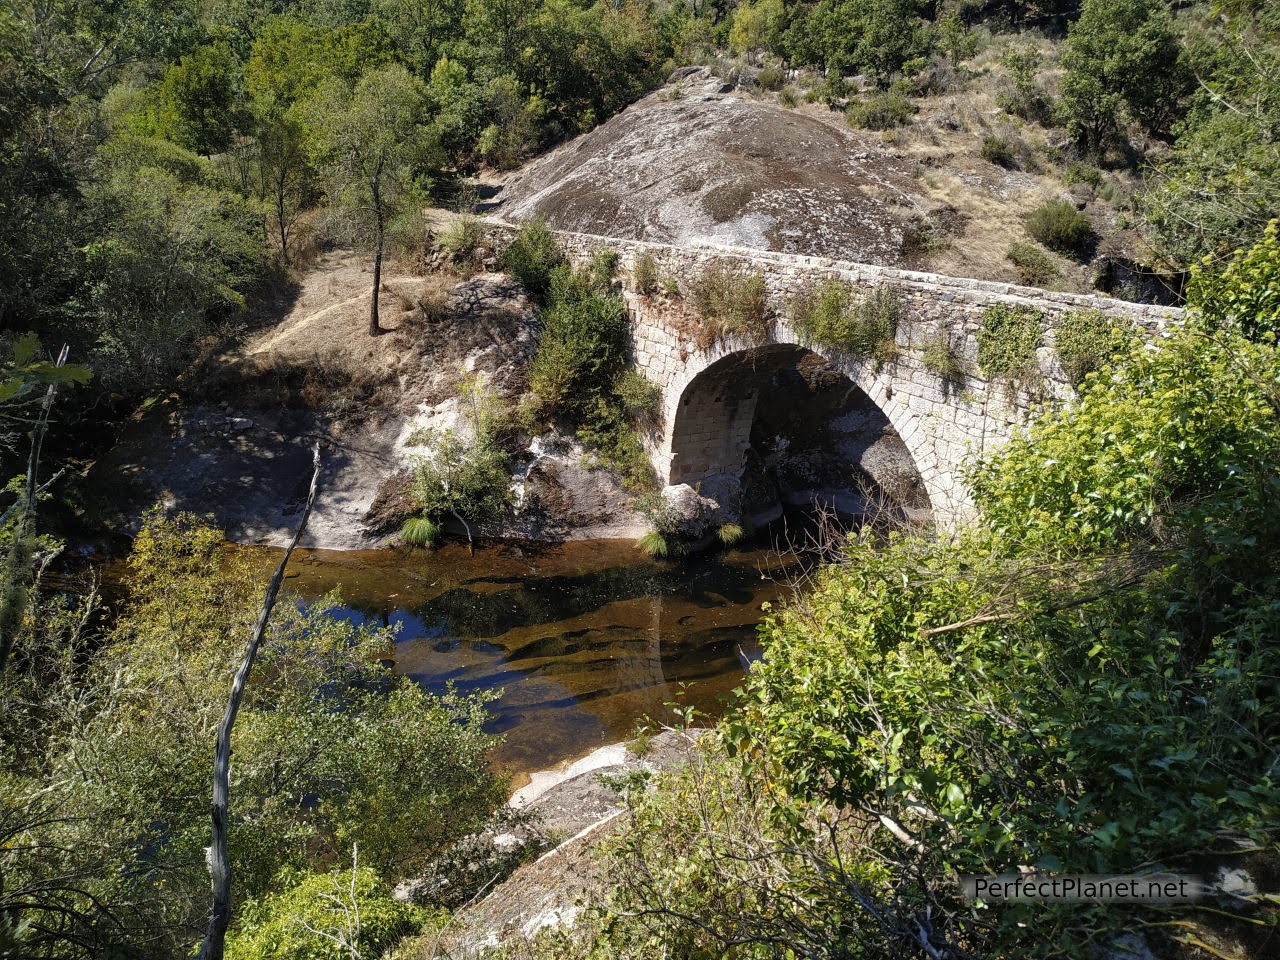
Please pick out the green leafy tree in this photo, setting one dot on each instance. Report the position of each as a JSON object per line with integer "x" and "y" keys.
{"x": 373, "y": 141}
{"x": 1122, "y": 63}
{"x": 169, "y": 258}
{"x": 1243, "y": 294}
{"x": 196, "y": 102}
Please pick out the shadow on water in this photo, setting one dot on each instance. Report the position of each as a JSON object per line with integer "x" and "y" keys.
{"x": 583, "y": 639}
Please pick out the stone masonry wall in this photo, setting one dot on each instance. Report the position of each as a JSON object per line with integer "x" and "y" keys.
{"x": 942, "y": 421}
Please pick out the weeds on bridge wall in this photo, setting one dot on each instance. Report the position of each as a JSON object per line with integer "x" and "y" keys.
{"x": 730, "y": 303}
{"x": 1087, "y": 340}
{"x": 831, "y": 315}
{"x": 1007, "y": 344}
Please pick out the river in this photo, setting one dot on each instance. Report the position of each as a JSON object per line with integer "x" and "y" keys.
{"x": 586, "y": 640}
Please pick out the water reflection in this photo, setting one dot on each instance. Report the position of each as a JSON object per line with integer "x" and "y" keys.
{"x": 584, "y": 639}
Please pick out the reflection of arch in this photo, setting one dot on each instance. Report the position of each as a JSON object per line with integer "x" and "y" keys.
{"x": 712, "y": 402}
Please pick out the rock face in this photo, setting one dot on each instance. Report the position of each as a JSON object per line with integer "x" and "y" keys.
{"x": 696, "y": 162}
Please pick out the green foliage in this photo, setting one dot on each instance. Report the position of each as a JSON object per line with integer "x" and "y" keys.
{"x": 326, "y": 916}
{"x": 170, "y": 258}
{"x": 938, "y": 356}
{"x": 1007, "y": 344}
{"x": 24, "y": 371}
{"x": 996, "y": 150}
{"x": 195, "y": 103}
{"x": 1062, "y": 228}
{"x": 772, "y": 79}
{"x": 464, "y": 478}
{"x": 954, "y": 38}
{"x": 463, "y": 239}
{"x": 582, "y": 345}
{"x": 882, "y": 110}
{"x": 1122, "y": 63}
{"x": 1035, "y": 267}
{"x": 729, "y": 533}
{"x": 1087, "y": 340}
{"x": 1243, "y": 294}
{"x": 833, "y": 317}
{"x": 116, "y": 759}
{"x": 1028, "y": 99}
{"x": 1209, "y": 195}
{"x": 533, "y": 256}
{"x": 876, "y": 37}
{"x": 420, "y": 531}
{"x": 639, "y": 396}
{"x": 645, "y": 274}
{"x": 731, "y": 303}
{"x": 654, "y": 544}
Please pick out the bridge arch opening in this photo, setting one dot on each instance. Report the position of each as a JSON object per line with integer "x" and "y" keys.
{"x": 780, "y": 426}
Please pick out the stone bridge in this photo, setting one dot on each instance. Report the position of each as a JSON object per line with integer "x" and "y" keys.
{"x": 712, "y": 394}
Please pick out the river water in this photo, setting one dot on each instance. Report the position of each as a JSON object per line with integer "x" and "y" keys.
{"x": 585, "y": 640}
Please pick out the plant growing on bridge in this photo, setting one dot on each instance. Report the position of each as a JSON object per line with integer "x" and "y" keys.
{"x": 1089, "y": 339}
{"x": 645, "y": 274}
{"x": 832, "y": 316}
{"x": 1007, "y": 344}
{"x": 731, "y": 303}
{"x": 533, "y": 256}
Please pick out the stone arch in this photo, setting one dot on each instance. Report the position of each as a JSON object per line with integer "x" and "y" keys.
{"x": 713, "y": 404}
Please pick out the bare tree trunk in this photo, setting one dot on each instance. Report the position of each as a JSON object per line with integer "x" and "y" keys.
{"x": 219, "y": 860}
{"x": 17, "y": 574}
{"x": 374, "y": 329}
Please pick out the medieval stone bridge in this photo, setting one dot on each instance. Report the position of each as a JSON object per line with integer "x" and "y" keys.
{"x": 711, "y": 397}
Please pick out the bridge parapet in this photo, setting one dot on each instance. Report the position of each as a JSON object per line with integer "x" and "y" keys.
{"x": 942, "y": 419}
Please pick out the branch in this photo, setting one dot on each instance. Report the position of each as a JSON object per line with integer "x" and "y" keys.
{"x": 219, "y": 860}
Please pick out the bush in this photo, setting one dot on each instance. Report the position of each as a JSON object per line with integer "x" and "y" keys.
{"x": 788, "y": 97}
{"x": 772, "y": 79}
{"x": 881, "y": 111}
{"x": 645, "y": 274}
{"x": 832, "y": 317}
{"x": 533, "y": 256}
{"x": 731, "y": 303}
{"x": 462, "y": 241}
{"x": 613, "y": 442}
{"x": 1007, "y": 343}
{"x": 1062, "y": 228}
{"x": 604, "y": 265}
{"x": 639, "y": 396}
{"x": 582, "y": 347}
{"x": 1082, "y": 173}
{"x": 1035, "y": 267}
{"x": 1088, "y": 339}
{"x": 996, "y": 150}
{"x": 322, "y": 912}
{"x": 1028, "y": 100}
{"x": 938, "y": 356}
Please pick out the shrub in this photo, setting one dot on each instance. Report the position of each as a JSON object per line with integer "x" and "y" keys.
{"x": 533, "y": 256}
{"x": 938, "y": 356}
{"x": 1035, "y": 267}
{"x": 1082, "y": 173}
{"x": 645, "y": 274}
{"x": 772, "y": 78}
{"x": 582, "y": 346}
{"x": 604, "y": 265}
{"x": 321, "y": 912}
{"x": 638, "y": 395}
{"x": 614, "y": 442}
{"x": 996, "y": 150}
{"x": 881, "y": 111}
{"x": 1028, "y": 100}
{"x": 730, "y": 533}
{"x": 788, "y": 97}
{"x": 731, "y": 303}
{"x": 1088, "y": 339}
{"x": 1007, "y": 343}
{"x": 832, "y": 317}
{"x": 462, "y": 241}
{"x": 1062, "y": 228}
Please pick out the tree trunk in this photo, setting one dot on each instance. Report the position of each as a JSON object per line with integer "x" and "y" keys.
{"x": 219, "y": 859}
{"x": 374, "y": 328}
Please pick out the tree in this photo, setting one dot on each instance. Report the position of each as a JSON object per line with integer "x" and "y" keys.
{"x": 1122, "y": 63}
{"x": 372, "y": 141}
{"x": 284, "y": 172}
{"x": 195, "y": 102}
